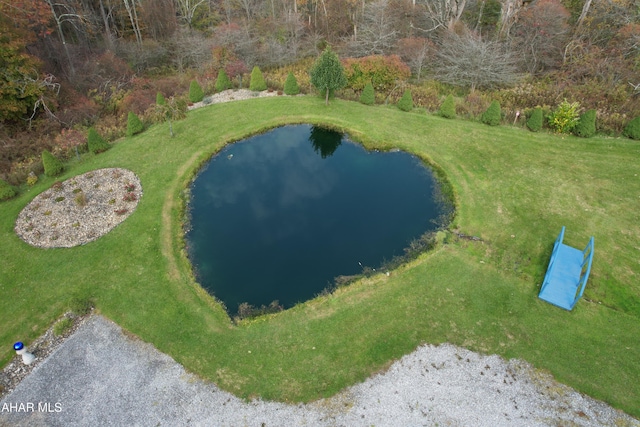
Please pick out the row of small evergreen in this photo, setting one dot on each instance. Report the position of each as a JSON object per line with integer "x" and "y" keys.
{"x": 564, "y": 119}
{"x": 256, "y": 84}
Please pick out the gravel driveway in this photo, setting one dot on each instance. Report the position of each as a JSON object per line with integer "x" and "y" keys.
{"x": 101, "y": 377}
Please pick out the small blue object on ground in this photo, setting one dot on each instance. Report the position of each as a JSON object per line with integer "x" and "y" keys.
{"x": 567, "y": 274}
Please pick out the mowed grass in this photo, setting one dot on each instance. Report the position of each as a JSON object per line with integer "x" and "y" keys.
{"x": 514, "y": 190}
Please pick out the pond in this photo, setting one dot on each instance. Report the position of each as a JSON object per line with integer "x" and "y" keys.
{"x": 280, "y": 215}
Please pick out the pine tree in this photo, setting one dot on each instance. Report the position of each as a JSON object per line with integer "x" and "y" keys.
{"x": 406, "y": 102}
{"x": 327, "y": 74}
{"x": 291, "y": 85}
{"x": 448, "y": 108}
{"x": 95, "y": 142}
{"x": 223, "y": 82}
{"x": 368, "y": 96}
{"x": 493, "y": 115}
{"x": 632, "y": 130}
{"x": 160, "y": 99}
{"x": 134, "y": 125}
{"x": 195, "y": 91}
{"x": 586, "y": 126}
{"x": 257, "y": 83}
{"x": 52, "y": 166}
{"x": 534, "y": 123}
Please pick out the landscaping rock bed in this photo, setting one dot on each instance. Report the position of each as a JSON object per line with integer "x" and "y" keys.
{"x": 80, "y": 209}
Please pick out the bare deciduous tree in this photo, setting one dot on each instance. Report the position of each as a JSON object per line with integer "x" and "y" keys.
{"x": 377, "y": 35}
{"x": 467, "y": 60}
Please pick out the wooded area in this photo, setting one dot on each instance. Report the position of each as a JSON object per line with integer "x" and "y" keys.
{"x": 67, "y": 65}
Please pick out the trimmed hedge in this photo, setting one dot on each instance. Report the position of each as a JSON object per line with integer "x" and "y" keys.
{"x": 195, "y": 92}
{"x": 586, "y": 126}
{"x": 493, "y": 115}
{"x": 52, "y": 166}
{"x": 95, "y": 142}
{"x": 291, "y": 85}
{"x": 257, "y": 82}
{"x": 535, "y": 121}
{"x": 448, "y": 108}
{"x": 406, "y": 102}
{"x": 632, "y": 130}
{"x": 6, "y": 190}
{"x": 134, "y": 125}
{"x": 368, "y": 96}
{"x": 223, "y": 82}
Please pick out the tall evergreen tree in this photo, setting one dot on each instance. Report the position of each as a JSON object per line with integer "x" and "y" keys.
{"x": 327, "y": 73}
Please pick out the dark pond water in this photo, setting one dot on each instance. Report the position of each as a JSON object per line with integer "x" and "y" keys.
{"x": 278, "y": 216}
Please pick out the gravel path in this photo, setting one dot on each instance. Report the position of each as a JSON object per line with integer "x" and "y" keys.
{"x": 102, "y": 377}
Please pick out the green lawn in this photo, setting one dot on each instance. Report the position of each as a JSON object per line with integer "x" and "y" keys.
{"x": 514, "y": 190}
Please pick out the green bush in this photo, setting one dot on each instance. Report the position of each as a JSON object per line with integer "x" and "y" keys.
{"x": 586, "y": 126}
{"x": 257, "y": 82}
{"x": 134, "y": 125}
{"x": 406, "y": 102}
{"x": 448, "y": 108}
{"x": 223, "y": 82}
{"x": 291, "y": 85}
{"x": 95, "y": 142}
{"x": 632, "y": 130}
{"x": 534, "y": 123}
{"x": 368, "y": 96}
{"x": 493, "y": 115}
{"x": 52, "y": 166}
{"x": 160, "y": 99}
{"x": 6, "y": 190}
{"x": 564, "y": 118}
{"x": 195, "y": 92}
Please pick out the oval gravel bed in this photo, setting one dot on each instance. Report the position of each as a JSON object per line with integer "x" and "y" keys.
{"x": 80, "y": 209}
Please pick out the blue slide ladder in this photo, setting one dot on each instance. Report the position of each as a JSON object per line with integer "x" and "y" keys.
{"x": 567, "y": 274}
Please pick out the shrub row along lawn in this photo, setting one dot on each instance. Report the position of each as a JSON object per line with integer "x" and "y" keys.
{"x": 514, "y": 190}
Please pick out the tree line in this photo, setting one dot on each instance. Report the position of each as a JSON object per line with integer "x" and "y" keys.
{"x": 56, "y": 54}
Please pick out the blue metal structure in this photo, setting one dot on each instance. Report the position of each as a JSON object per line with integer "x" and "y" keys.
{"x": 567, "y": 274}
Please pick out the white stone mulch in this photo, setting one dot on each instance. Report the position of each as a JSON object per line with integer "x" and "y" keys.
{"x": 80, "y": 209}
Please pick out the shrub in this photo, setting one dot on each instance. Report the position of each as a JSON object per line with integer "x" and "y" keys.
{"x": 195, "y": 91}
{"x": 368, "y": 96}
{"x": 291, "y": 85}
{"x": 565, "y": 117}
{"x": 160, "y": 99}
{"x": 257, "y": 82}
{"x": 223, "y": 82}
{"x": 493, "y": 115}
{"x": 6, "y": 190}
{"x": 406, "y": 102}
{"x": 586, "y": 126}
{"x": 134, "y": 125}
{"x": 534, "y": 123}
{"x": 381, "y": 71}
{"x": 632, "y": 130}
{"x": 52, "y": 166}
{"x": 448, "y": 108}
{"x": 32, "y": 179}
{"x": 95, "y": 142}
